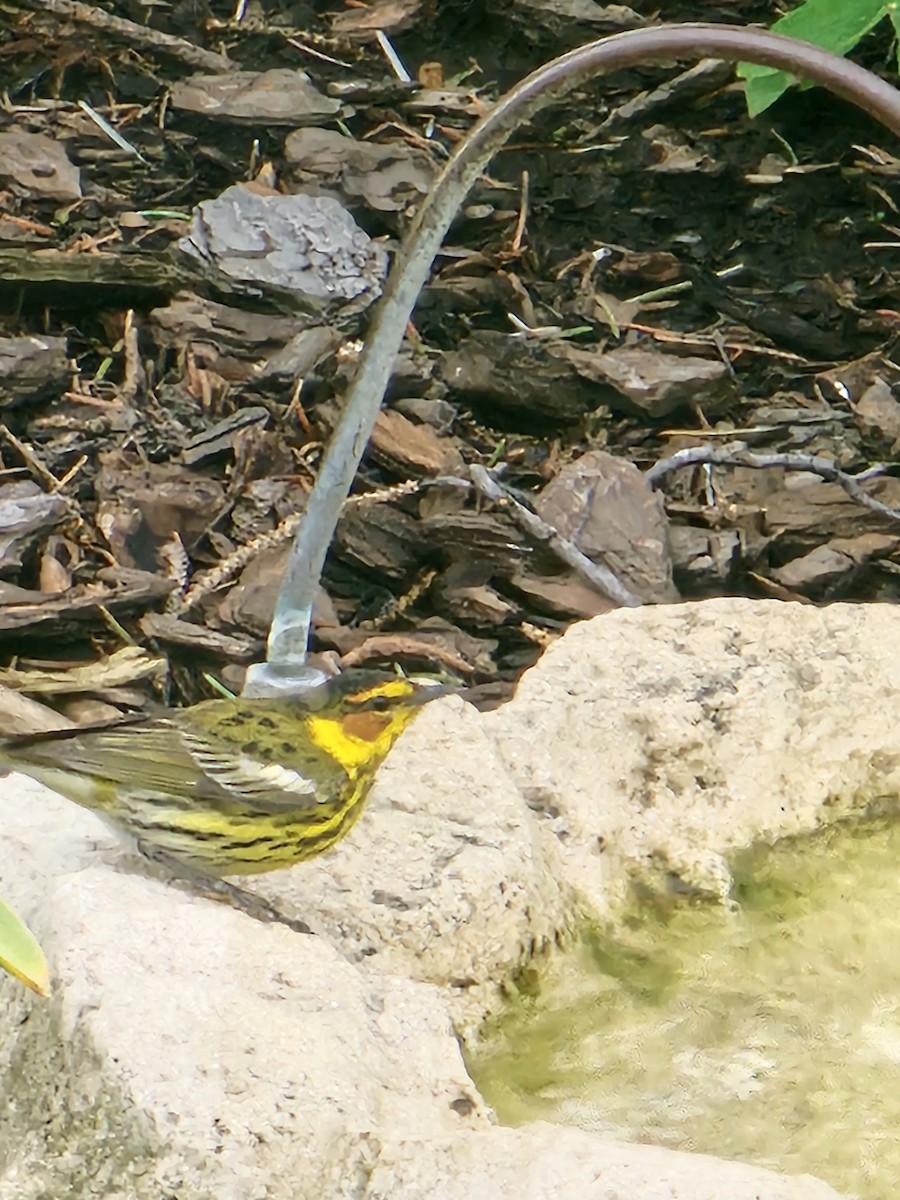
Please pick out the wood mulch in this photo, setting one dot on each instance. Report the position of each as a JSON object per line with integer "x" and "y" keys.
{"x": 196, "y": 216}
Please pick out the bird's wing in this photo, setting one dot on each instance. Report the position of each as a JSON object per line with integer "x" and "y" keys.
{"x": 159, "y": 756}
{"x": 259, "y": 754}
{"x": 266, "y": 784}
{"x": 147, "y": 755}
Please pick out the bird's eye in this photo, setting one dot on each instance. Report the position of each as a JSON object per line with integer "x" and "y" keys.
{"x": 379, "y": 703}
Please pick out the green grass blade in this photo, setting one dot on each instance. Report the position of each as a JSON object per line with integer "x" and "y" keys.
{"x": 20, "y": 954}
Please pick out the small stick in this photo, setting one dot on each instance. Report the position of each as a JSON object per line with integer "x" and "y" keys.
{"x": 600, "y": 577}
{"x": 131, "y": 32}
{"x": 737, "y": 455}
{"x": 523, "y": 214}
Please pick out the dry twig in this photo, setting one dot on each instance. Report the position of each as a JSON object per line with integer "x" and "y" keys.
{"x": 737, "y": 455}
{"x": 599, "y": 577}
{"x": 131, "y": 32}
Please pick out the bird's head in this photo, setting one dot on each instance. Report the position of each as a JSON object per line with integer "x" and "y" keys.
{"x": 359, "y": 715}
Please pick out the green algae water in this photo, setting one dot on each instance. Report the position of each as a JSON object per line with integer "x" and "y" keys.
{"x": 770, "y": 1033}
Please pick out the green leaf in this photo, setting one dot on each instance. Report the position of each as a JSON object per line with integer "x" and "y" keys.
{"x": 894, "y": 13}
{"x": 20, "y": 954}
{"x": 835, "y": 25}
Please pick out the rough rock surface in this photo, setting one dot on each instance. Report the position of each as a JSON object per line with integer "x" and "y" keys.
{"x": 548, "y": 1162}
{"x": 446, "y": 879}
{"x": 191, "y": 1052}
{"x": 658, "y": 739}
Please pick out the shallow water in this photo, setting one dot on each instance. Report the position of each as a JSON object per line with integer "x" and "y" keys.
{"x": 770, "y": 1033}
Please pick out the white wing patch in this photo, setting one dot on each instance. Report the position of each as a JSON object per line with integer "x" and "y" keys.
{"x": 275, "y": 775}
{"x": 245, "y": 775}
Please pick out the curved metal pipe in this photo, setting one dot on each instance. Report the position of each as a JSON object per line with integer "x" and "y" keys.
{"x": 289, "y": 633}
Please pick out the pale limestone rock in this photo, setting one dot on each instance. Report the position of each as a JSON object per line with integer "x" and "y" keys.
{"x": 550, "y": 1162}
{"x": 446, "y": 878}
{"x": 189, "y": 1051}
{"x": 662, "y": 738}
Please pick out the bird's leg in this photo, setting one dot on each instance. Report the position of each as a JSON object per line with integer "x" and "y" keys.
{"x": 215, "y": 888}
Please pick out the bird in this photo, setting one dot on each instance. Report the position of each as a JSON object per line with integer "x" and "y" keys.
{"x": 233, "y": 786}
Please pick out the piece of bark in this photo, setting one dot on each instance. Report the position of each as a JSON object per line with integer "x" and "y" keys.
{"x": 650, "y": 383}
{"x": 21, "y": 716}
{"x": 565, "y": 596}
{"x": 143, "y": 504}
{"x": 415, "y": 450}
{"x": 608, "y": 510}
{"x": 385, "y": 177}
{"x": 27, "y": 516}
{"x": 526, "y": 381}
{"x": 278, "y": 97}
{"x": 176, "y": 632}
{"x": 36, "y": 167}
{"x": 32, "y": 369}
